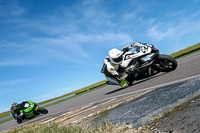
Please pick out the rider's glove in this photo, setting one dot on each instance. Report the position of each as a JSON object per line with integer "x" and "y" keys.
{"x": 136, "y": 44}
{"x": 125, "y": 49}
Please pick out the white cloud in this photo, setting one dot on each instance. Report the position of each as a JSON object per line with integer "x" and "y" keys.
{"x": 174, "y": 14}
{"x": 174, "y": 28}
{"x": 19, "y": 62}
{"x": 12, "y": 82}
{"x": 61, "y": 35}
{"x": 72, "y": 48}
{"x": 65, "y": 34}
{"x": 158, "y": 35}
{"x": 134, "y": 12}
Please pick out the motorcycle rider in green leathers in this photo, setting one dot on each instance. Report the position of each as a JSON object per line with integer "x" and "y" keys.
{"x": 18, "y": 111}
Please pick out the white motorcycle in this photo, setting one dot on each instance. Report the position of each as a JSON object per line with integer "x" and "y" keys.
{"x": 147, "y": 61}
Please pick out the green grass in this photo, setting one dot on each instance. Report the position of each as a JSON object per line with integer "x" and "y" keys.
{"x": 4, "y": 114}
{"x": 104, "y": 127}
{"x": 186, "y": 50}
{"x": 1, "y": 122}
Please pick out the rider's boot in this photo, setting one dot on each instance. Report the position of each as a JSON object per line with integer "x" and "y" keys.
{"x": 124, "y": 83}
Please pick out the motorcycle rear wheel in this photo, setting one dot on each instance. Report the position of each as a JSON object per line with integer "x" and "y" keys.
{"x": 167, "y": 63}
{"x": 42, "y": 110}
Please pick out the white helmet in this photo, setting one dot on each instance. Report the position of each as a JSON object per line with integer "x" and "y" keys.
{"x": 116, "y": 56}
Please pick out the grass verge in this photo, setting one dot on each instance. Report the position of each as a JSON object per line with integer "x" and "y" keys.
{"x": 186, "y": 50}
{"x": 4, "y": 114}
{"x": 104, "y": 127}
{"x": 1, "y": 122}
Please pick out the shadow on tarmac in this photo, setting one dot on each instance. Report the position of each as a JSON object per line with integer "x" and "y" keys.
{"x": 140, "y": 81}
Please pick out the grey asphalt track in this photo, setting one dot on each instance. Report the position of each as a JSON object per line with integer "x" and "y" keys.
{"x": 187, "y": 67}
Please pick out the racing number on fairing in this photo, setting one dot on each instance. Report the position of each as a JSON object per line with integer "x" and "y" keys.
{"x": 27, "y": 105}
{"x": 144, "y": 49}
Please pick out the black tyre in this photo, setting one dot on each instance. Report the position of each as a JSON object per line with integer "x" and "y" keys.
{"x": 130, "y": 79}
{"x": 167, "y": 63}
{"x": 19, "y": 121}
{"x": 42, "y": 110}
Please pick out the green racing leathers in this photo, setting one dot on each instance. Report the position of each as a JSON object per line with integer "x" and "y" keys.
{"x": 25, "y": 109}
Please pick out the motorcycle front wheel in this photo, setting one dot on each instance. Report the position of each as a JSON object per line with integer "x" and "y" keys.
{"x": 19, "y": 121}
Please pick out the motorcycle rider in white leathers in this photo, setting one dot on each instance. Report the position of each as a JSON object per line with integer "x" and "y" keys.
{"x": 113, "y": 69}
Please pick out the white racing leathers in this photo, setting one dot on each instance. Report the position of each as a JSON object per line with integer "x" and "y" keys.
{"x": 116, "y": 73}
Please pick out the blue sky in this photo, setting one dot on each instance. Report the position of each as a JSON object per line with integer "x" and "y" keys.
{"x": 49, "y": 47}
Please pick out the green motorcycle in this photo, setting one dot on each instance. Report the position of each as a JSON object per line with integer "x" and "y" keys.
{"x": 26, "y": 110}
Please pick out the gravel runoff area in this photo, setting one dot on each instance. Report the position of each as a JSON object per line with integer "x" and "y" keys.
{"x": 184, "y": 119}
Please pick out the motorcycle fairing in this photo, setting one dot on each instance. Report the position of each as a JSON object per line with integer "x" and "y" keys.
{"x": 134, "y": 53}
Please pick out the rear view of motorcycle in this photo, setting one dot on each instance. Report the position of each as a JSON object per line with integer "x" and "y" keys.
{"x": 26, "y": 110}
